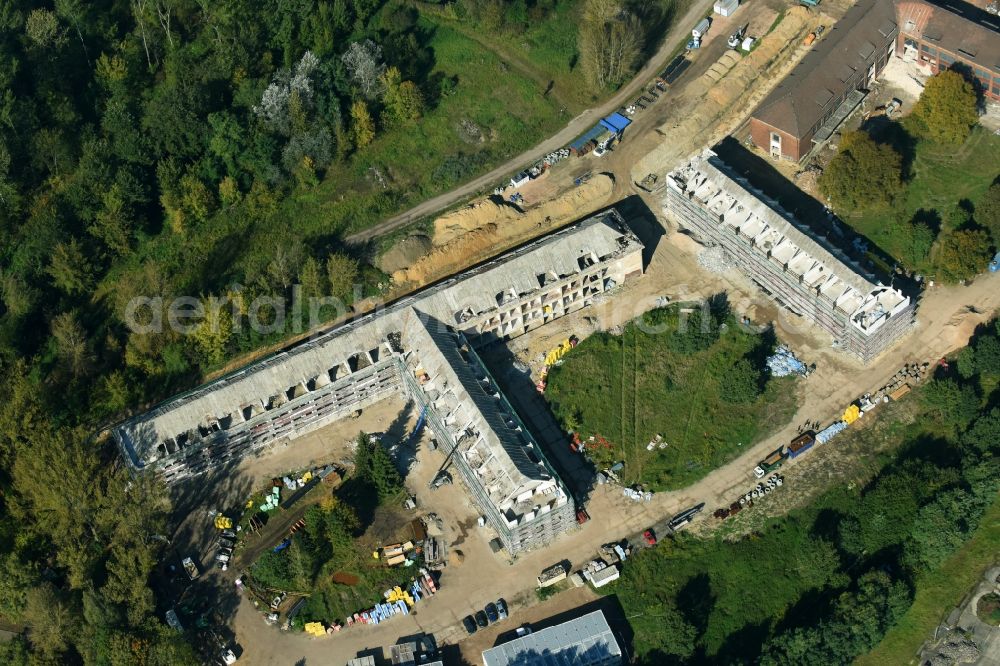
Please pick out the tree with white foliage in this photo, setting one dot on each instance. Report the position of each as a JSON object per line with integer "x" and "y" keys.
{"x": 274, "y": 103}
{"x": 364, "y": 62}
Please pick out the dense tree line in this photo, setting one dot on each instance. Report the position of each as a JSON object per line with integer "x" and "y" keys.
{"x": 824, "y": 584}
{"x": 146, "y": 149}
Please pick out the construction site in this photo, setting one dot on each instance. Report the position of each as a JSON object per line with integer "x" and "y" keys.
{"x": 556, "y": 263}
{"x": 421, "y": 347}
{"x": 807, "y": 274}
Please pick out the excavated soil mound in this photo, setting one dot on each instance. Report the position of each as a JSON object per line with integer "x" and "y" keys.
{"x": 405, "y": 253}
{"x": 487, "y": 228}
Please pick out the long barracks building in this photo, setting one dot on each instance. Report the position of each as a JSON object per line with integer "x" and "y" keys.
{"x": 806, "y": 274}
{"x": 421, "y": 348}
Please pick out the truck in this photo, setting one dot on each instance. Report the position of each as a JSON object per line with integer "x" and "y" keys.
{"x": 699, "y": 30}
{"x": 801, "y": 444}
{"x": 190, "y": 567}
{"x": 770, "y": 463}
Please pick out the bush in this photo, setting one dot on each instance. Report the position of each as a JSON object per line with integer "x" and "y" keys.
{"x": 741, "y": 382}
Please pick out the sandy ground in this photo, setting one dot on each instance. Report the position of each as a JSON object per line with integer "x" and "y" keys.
{"x": 944, "y": 323}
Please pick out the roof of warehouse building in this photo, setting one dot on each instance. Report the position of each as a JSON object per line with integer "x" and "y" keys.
{"x": 958, "y": 27}
{"x": 601, "y": 235}
{"x": 803, "y": 98}
{"x": 582, "y": 641}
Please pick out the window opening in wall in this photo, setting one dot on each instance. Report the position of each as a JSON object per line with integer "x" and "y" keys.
{"x": 358, "y": 362}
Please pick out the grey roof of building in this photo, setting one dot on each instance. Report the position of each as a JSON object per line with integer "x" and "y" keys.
{"x": 464, "y": 392}
{"x": 585, "y": 640}
{"x": 476, "y": 289}
{"x": 820, "y": 266}
{"x": 806, "y": 94}
{"x": 958, "y": 27}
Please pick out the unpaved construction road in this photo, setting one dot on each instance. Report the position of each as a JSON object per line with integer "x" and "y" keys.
{"x": 678, "y": 32}
{"x": 946, "y": 317}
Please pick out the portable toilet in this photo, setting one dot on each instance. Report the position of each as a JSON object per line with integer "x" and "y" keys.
{"x": 699, "y": 30}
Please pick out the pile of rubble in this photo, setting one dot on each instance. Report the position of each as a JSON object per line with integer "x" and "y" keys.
{"x": 715, "y": 260}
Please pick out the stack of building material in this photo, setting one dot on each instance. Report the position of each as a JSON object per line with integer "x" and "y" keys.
{"x": 783, "y": 363}
{"x": 831, "y": 431}
{"x": 726, "y": 7}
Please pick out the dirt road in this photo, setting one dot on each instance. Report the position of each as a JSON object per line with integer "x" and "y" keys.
{"x": 944, "y": 323}
{"x": 576, "y": 127}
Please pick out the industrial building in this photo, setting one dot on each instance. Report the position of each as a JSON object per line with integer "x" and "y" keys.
{"x": 831, "y": 80}
{"x": 585, "y": 641}
{"x": 420, "y": 348}
{"x": 940, "y": 35}
{"x": 804, "y": 273}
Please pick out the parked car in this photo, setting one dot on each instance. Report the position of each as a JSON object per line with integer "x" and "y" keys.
{"x": 523, "y": 630}
{"x": 649, "y": 537}
{"x": 470, "y": 624}
{"x": 502, "y": 609}
{"x": 491, "y": 612}
{"x": 443, "y": 478}
{"x": 482, "y": 620}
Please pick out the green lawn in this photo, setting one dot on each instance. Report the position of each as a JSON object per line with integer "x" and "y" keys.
{"x": 938, "y": 592}
{"x": 941, "y": 178}
{"x": 628, "y": 388}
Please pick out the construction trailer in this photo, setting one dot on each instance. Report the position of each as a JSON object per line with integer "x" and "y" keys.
{"x": 726, "y": 7}
{"x": 701, "y": 29}
{"x": 803, "y": 272}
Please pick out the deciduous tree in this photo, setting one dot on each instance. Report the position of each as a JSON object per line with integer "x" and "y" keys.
{"x": 341, "y": 275}
{"x": 963, "y": 254}
{"x": 70, "y": 269}
{"x": 362, "y": 124}
{"x": 947, "y": 108}
{"x": 863, "y": 174}
{"x": 364, "y": 63}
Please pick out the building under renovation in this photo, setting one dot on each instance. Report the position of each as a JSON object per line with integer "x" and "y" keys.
{"x": 803, "y": 272}
{"x": 420, "y": 348}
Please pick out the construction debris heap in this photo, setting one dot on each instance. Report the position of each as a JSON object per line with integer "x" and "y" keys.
{"x": 805, "y": 274}
{"x": 421, "y": 347}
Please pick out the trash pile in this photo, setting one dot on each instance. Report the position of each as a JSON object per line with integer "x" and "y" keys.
{"x": 637, "y": 494}
{"x": 783, "y": 363}
{"x": 715, "y": 260}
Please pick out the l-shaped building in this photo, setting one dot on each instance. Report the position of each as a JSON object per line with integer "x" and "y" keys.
{"x": 421, "y": 347}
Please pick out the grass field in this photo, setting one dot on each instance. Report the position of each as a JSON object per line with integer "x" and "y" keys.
{"x": 941, "y": 178}
{"x": 938, "y": 592}
{"x": 431, "y": 156}
{"x": 628, "y": 388}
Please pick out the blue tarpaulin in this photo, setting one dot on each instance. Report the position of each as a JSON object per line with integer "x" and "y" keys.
{"x": 616, "y": 122}
{"x": 591, "y": 134}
